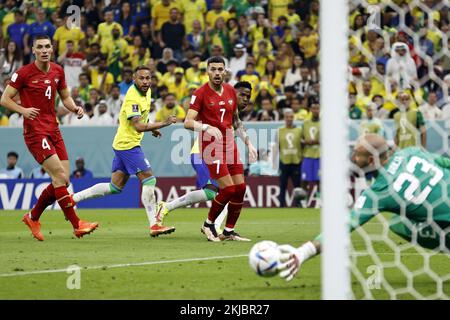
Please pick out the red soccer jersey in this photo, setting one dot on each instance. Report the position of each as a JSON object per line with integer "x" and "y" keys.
{"x": 38, "y": 89}
{"x": 214, "y": 109}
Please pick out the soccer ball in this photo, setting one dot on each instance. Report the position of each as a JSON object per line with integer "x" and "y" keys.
{"x": 264, "y": 258}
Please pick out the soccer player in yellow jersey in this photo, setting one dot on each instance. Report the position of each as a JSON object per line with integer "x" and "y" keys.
{"x": 129, "y": 158}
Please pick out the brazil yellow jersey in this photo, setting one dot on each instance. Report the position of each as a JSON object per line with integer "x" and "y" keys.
{"x": 135, "y": 104}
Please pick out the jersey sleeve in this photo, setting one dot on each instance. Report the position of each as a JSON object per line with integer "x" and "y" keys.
{"x": 365, "y": 208}
{"x": 18, "y": 79}
{"x": 196, "y": 101}
{"x": 442, "y": 161}
{"x": 132, "y": 108}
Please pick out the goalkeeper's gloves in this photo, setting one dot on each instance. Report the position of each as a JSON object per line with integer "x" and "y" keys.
{"x": 290, "y": 261}
{"x": 292, "y": 258}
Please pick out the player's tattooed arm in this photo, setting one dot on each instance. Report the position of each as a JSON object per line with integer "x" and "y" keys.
{"x": 70, "y": 105}
{"x": 140, "y": 126}
{"x": 8, "y": 102}
{"x": 238, "y": 126}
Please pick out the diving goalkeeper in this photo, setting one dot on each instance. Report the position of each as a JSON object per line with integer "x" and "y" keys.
{"x": 412, "y": 183}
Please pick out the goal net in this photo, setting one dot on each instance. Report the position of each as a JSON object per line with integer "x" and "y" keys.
{"x": 398, "y": 84}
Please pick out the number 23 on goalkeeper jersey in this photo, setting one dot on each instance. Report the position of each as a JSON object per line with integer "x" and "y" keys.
{"x": 134, "y": 104}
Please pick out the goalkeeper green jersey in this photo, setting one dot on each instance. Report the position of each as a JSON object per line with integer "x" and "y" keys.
{"x": 413, "y": 179}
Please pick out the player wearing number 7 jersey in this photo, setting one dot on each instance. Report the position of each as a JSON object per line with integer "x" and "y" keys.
{"x": 211, "y": 113}
{"x": 37, "y": 84}
{"x": 412, "y": 183}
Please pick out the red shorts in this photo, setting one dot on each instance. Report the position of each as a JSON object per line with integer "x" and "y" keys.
{"x": 42, "y": 146}
{"x": 222, "y": 160}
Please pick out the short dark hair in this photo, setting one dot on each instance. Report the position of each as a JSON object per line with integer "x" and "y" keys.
{"x": 40, "y": 37}
{"x": 215, "y": 59}
{"x": 243, "y": 84}
{"x": 170, "y": 94}
{"x": 13, "y": 154}
{"x": 289, "y": 89}
{"x": 139, "y": 68}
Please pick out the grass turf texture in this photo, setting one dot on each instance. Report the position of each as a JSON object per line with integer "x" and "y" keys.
{"x": 123, "y": 238}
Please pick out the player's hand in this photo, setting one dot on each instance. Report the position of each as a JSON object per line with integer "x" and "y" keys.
{"x": 156, "y": 133}
{"x": 252, "y": 153}
{"x": 214, "y": 132}
{"x": 290, "y": 262}
{"x": 170, "y": 120}
{"x": 30, "y": 113}
{"x": 79, "y": 111}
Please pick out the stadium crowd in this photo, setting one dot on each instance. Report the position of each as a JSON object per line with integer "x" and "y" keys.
{"x": 272, "y": 44}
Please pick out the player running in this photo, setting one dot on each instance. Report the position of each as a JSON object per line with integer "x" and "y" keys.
{"x": 214, "y": 105}
{"x": 37, "y": 84}
{"x": 412, "y": 179}
{"x": 129, "y": 158}
{"x": 208, "y": 187}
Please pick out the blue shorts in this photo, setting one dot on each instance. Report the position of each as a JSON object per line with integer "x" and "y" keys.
{"x": 203, "y": 177}
{"x": 310, "y": 169}
{"x": 130, "y": 161}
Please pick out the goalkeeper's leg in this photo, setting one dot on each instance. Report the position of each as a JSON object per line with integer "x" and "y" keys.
{"x": 427, "y": 236}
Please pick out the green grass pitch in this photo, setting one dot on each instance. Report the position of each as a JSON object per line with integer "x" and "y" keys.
{"x": 120, "y": 261}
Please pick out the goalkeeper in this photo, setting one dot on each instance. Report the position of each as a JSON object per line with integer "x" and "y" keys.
{"x": 407, "y": 183}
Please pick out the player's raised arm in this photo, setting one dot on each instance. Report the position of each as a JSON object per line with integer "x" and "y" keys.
{"x": 8, "y": 102}
{"x": 69, "y": 103}
{"x": 191, "y": 124}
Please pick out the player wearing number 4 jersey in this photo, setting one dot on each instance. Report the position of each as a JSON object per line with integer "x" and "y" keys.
{"x": 37, "y": 84}
{"x": 413, "y": 184}
{"x": 211, "y": 113}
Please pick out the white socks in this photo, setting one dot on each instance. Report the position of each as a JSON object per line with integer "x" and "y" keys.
{"x": 187, "y": 199}
{"x": 222, "y": 216}
{"x": 96, "y": 191}
{"x": 148, "y": 200}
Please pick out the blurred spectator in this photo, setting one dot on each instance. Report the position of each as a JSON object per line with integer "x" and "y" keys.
{"x": 267, "y": 112}
{"x": 7, "y": 16}
{"x": 105, "y": 29}
{"x": 304, "y": 86}
{"x": 101, "y": 79}
{"x": 289, "y": 140}
{"x": 19, "y": 32}
{"x": 167, "y": 58}
{"x": 103, "y": 117}
{"x": 12, "y": 171}
{"x": 400, "y": 69}
{"x": 93, "y": 56}
{"x": 114, "y": 102}
{"x": 172, "y": 35}
{"x": 39, "y": 173}
{"x": 293, "y": 75}
{"x": 127, "y": 81}
{"x": 81, "y": 171}
{"x": 10, "y": 61}
{"x": 299, "y": 106}
{"x": 160, "y": 15}
{"x": 382, "y": 112}
{"x": 217, "y": 12}
{"x": 372, "y": 124}
{"x": 278, "y": 8}
{"x": 193, "y": 73}
{"x": 355, "y": 112}
{"x": 16, "y": 120}
{"x": 169, "y": 108}
{"x": 249, "y": 74}
{"x": 91, "y": 12}
{"x": 286, "y": 102}
{"x": 263, "y": 56}
{"x": 179, "y": 86}
{"x": 193, "y": 10}
{"x": 217, "y": 39}
{"x": 41, "y": 26}
{"x": 285, "y": 58}
{"x": 116, "y": 50}
{"x": 4, "y": 120}
{"x": 72, "y": 62}
{"x": 67, "y": 32}
{"x": 311, "y": 152}
{"x": 162, "y": 93}
{"x": 114, "y": 7}
{"x": 409, "y": 124}
{"x": 430, "y": 110}
{"x": 127, "y": 20}
{"x": 196, "y": 38}
{"x": 364, "y": 97}
{"x": 237, "y": 62}
{"x": 84, "y": 86}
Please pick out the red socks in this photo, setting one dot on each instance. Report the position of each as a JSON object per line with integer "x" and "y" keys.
{"x": 66, "y": 203}
{"x": 235, "y": 205}
{"x": 46, "y": 198}
{"x": 219, "y": 202}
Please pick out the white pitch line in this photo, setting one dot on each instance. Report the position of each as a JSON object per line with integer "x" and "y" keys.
{"x": 123, "y": 265}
